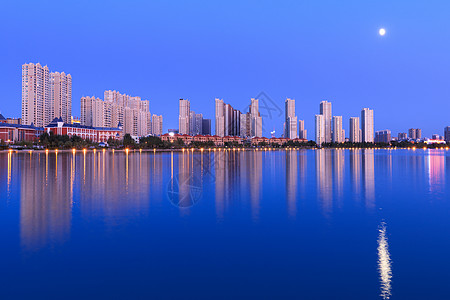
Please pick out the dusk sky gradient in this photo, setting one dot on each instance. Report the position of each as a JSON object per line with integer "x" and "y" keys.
{"x": 199, "y": 50}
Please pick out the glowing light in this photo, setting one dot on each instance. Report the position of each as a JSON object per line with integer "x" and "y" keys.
{"x": 127, "y": 150}
{"x": 384, "y": 263}
{"x": 201, "y": 149}
{"x": 73, "y": 151}
{"x": 140, "y": 150}
{"x": 84, "y": 151}
{"x": 382, "y": 31}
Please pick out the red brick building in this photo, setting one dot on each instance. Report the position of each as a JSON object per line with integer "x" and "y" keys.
{"x": 96, "y": 134}
{"x": 19, "y": 133}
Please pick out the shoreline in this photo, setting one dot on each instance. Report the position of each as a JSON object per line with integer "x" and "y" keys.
{"x": 200, "y": 150}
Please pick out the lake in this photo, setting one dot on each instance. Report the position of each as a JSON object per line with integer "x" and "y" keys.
{"x": 266, "y": 224}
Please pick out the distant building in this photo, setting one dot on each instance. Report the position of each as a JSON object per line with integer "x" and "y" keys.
{"x": 173, "y": 131}
{"x": 447, "y": 134}
{"x": 402, "y": 136}
{"x": 17, "y": 121}
{"x": 302, "y": 134}
{"x": 195, "y": 123}
{"x": 367, "y": 125}
{"x": 338, "y": 133}
{"x": 415, "y": 134}
{"x": 290, "y": 125}
{"x": 184, "y": 116}
{"x": 436, "y": 137}
{"x": 326, "y": 112}
{"x": 206, "y": 127}
{"x": 132, "y": 112}
{"x": 320, "y": 129}
{"x": 256, "y": 119}
{"x": 355, "y": 131}
{"x": 383, "y": 136}
{"x": 157, "y": 125}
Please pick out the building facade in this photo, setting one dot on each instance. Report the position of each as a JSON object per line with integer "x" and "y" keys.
{"x": 326, "y": 112}
{"x": 45, "y": 95}
{"x": 206, "y": 127}
{"x": 367, "y": 125}
{"x": 157, "y": 125}
{"x": 256, "y": 119}
{"x": 355, "y": 131}
{"x": 320, "y": 129}
{"x": 290, "y": 119}
{"x": 132, "y": 112}
{"x": 95, "y": 134}
{"x": 383, "y": 136}
{"x": 184, "y": 116}
{"x": 338, "y": 135}
{"x": 302, "y": 134}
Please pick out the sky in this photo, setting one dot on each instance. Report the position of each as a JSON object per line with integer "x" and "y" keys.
{"x": 237, "y": 50}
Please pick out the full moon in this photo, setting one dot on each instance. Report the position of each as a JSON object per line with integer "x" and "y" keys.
{"x": 382, "y": 31}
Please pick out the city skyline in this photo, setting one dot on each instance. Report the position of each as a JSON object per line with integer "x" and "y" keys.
{"x": 364, "y": 69}
{"x": 53, "y": 95}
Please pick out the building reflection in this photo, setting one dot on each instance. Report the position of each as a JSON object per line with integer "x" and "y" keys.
{"x": 291, "y": 182}
{"x": 338, "y": 174}
{"x": 369, "y": 177}
{"x": 324, "y": 179}
{"x": 355, "y": 172}
{"x": 435, "y": 165}
{"x": 45, "y": 201}
{"x": 114, "y": 184}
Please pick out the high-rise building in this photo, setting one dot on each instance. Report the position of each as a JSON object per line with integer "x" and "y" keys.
{"x": 402, "y": 136}
{"x": 184, "y": 116}
{"x": 447, "y": 134}
{"x": 245, "y": 125}
{"x": 228, "y": 119}
{"x": 436, "y": 137}
{"x": 326, "y": 111}
{"x": 45, "y": 95}
{"x": 383, "y": 136}
{"x": 195, "y": 123}
{"x": 337, "y": 130}
{"x": 61, "y": 95}
{"x": 157, "y": 125}
{"x": 220, "y": 118}
{"x": 320, "y": 129}
{"x": 206, "y": 126}
{"x": 367, "y": 127}
{"x": 290, "y": 119}
{"x": 132, "y": 112}
{"x": 415, "y": 133}
{"x": 301, "y": 130}
{"x": 355, "y": 131}
{"x": 256, "y": 119}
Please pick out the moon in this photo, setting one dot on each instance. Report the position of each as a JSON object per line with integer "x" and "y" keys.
{"x": 382, "y": 31}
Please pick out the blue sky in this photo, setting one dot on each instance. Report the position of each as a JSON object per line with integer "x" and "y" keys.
{"x": 199, "y": 50}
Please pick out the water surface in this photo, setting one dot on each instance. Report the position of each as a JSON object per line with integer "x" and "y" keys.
{"x": 294, "y": 224}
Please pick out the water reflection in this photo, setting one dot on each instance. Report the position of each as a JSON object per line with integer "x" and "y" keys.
{"x": 116, "y": 186}
{"x": 369, "y": 177}
{"x": 45, "y": 201}
{"x": 291, "y": 182}
{"x": 324, "y": 178}
{"x": 435, "y": 164}
{"x": 384, "y": 262}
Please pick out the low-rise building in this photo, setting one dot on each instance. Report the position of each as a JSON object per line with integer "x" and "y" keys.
{"x": 19, "y": 133}
{"x": 96, "y": 134}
